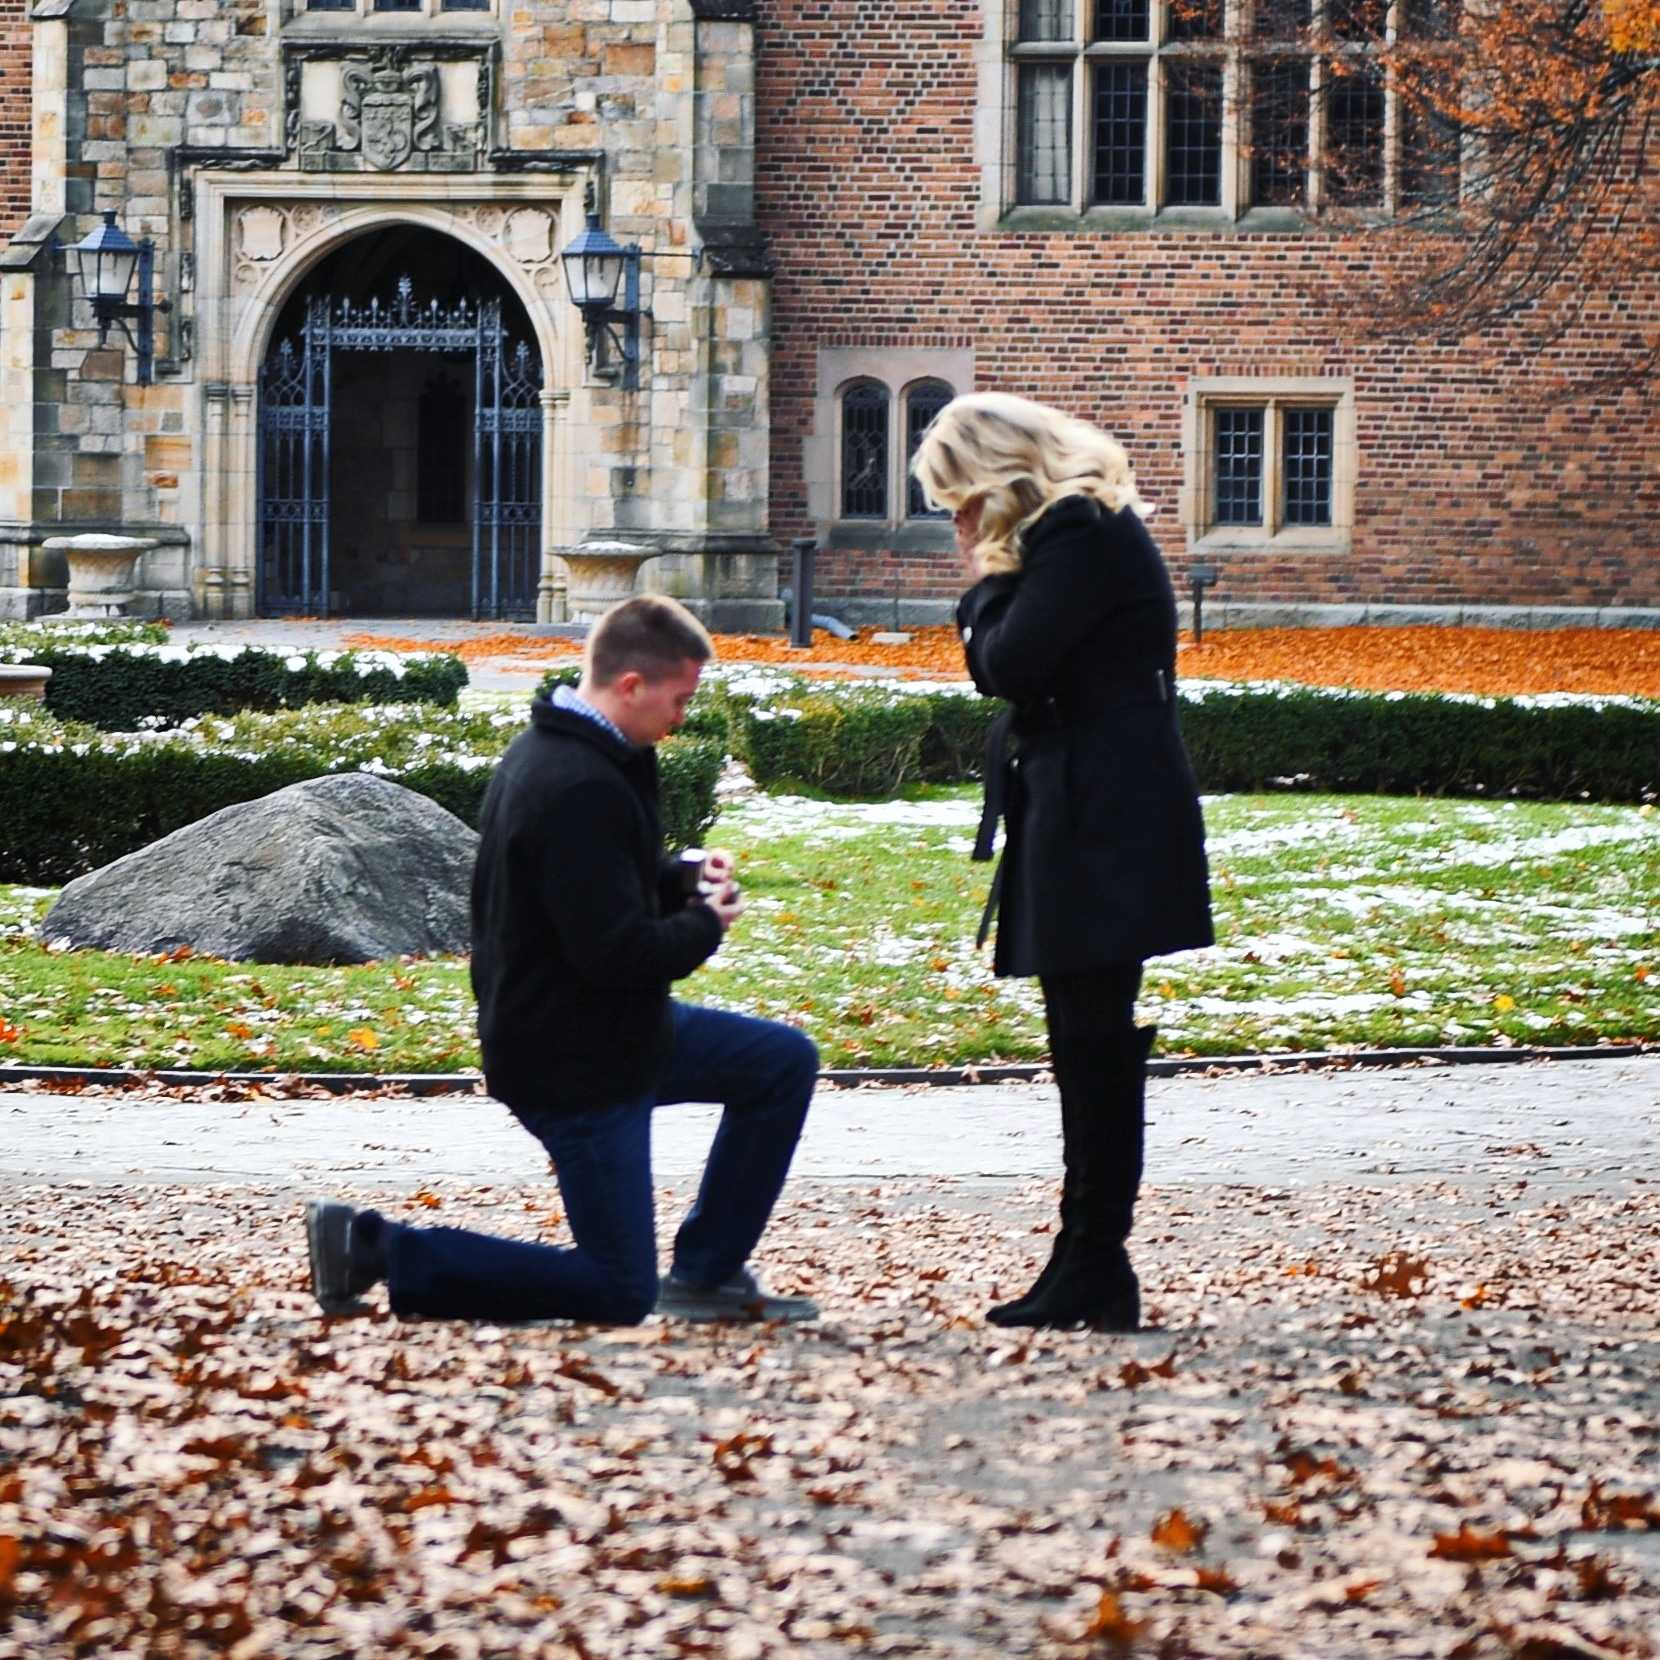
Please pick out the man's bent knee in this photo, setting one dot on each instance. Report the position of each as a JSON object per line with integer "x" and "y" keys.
{"x": 802, "y": 1060}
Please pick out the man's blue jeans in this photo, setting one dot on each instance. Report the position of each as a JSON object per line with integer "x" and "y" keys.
{"x": 761, "y": 1072}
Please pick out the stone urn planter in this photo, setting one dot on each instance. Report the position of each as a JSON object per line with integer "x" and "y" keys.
{"x": 601, "y": 573}
{"x": 25, "y": 680}
{"x": 100, "y": 572}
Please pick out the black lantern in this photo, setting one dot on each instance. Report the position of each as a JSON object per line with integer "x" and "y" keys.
{"x": 596, "y": 266}
{"x": 112, "y": 267}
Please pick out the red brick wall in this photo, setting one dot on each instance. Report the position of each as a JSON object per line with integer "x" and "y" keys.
{"x": 15, "y": 56}
{"x": 1474, "y": 483}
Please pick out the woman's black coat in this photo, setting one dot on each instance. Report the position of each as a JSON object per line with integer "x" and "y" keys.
{"x": 1104, "y": 858}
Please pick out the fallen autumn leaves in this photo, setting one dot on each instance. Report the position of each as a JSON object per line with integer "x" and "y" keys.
{"x": 1445, "y": 1449}
{"x": 1489, "y": 661}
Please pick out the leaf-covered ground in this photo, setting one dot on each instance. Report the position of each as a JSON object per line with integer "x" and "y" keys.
{"x": 1343, "y": 921}
{"x": 1411, "y": 1419}
{"x": 1492, "y": 661}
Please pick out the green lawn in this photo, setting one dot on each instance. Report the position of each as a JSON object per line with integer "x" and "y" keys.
{"x": 1344, "y": 921}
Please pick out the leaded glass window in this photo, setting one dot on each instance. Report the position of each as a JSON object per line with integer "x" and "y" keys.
{"x": 1279, "y": 131}
{"x": 864, "y": 461}
{"x": 1121, "y": 131}
{"x": 1429, "y": 158}
{"x": 1194, "y": 19}
{"x": 1122, "y": 20}
{"x": 1224, "y": 104}
{"x": 1193, "y": 133}
{"x": 1045, "y": 133}
{"x": 1275, "y": 466}
{"x": 1354, "y": 134}
{"x": 1307, "y": 467}
{"x": 1045, "y": 19}
{"x": 1238, "y": 448}
{"x": 922, "y": 403}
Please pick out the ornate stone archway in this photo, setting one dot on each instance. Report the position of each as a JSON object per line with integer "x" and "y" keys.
{"x": 260, "y": 235}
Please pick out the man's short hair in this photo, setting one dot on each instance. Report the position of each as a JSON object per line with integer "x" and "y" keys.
{"x": 649, "y": 633}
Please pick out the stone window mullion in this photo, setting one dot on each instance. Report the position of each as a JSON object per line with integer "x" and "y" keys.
{"x": 1155, "y": 106}
{"x": 1273, "y": 439}
{"x": 1317, "y": 134}
{"x": 1391, "y": 121}
{"x": 1083, "y": 126}
{"x": 1233, "y": 88}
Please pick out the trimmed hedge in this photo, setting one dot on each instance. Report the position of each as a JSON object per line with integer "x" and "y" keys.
{"x": 851, "y": 740}
{"x": 121, "y": 687}
{"x": 72, "y": 799}
{"x": 30, "y": 637}
{"x": 1397, "y": 743}
{"x": 854, "y": 740}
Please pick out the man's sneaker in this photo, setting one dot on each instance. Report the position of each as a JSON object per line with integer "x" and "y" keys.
{"x": 740, "y": 1298}
{"x": 344, "y": 1264}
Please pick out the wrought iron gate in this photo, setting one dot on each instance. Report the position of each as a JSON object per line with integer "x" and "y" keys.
{"x": 296, "y": 389}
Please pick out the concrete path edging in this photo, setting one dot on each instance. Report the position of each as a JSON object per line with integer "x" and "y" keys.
{"x": 470, "y": 1083}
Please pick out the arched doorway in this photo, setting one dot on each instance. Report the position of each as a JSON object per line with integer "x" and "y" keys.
{"x": 400, "y": 438}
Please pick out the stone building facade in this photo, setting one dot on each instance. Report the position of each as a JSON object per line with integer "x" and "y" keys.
{"x": 371, "y": 390}
{"x": 372, "y": 394}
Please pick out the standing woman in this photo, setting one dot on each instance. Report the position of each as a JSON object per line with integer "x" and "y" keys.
{"x": 1073, "y": 623}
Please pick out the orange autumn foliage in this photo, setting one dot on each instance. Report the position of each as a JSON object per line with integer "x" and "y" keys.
{"x": 1492, "y": 662}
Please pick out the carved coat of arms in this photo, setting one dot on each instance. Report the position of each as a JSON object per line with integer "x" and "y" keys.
{"x": 389, "y": 108}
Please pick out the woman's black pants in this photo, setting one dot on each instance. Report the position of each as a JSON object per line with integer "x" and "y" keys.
{"x": 1100, "y": 1062}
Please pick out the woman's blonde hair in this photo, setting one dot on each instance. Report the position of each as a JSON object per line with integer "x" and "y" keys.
{"x": 1021, "y": 458}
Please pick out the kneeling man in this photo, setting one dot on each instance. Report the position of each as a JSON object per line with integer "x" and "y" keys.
{"x": 580, "y": 926}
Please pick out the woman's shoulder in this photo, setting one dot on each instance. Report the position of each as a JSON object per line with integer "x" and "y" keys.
{"x": 1069, "y": 513}
{"x": 1077, "y": 516}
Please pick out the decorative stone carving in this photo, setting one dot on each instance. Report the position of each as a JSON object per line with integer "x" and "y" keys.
{"x": 311, "y": 216}
{"x": 529, "y": 235}
{"x": 416, "y": 107}
{"x": 261, "y": 233}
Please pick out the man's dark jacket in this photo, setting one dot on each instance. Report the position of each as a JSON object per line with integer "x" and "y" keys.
{"x": 1105, "y": 854}
{"x": 579, "y": 928}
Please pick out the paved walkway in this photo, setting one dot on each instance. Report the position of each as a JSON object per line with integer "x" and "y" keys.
{"x": 1395, "y": 1400}
{"x": 1573, "y": 1126}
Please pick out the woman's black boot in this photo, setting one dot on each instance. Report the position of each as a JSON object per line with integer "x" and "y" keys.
{"x": 1089, "y": 1280}
{"x": 1100, "y": 1292}
{"x": 1014, "y": 1313}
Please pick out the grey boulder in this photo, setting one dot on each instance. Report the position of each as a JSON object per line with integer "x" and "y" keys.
{"x": 344, "y": 869}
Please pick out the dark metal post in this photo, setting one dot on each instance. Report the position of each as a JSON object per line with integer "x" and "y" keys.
{"x": 144, "y": 312}
{"x": 802, "y": 549}
{"x": 1202, "y": 577}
